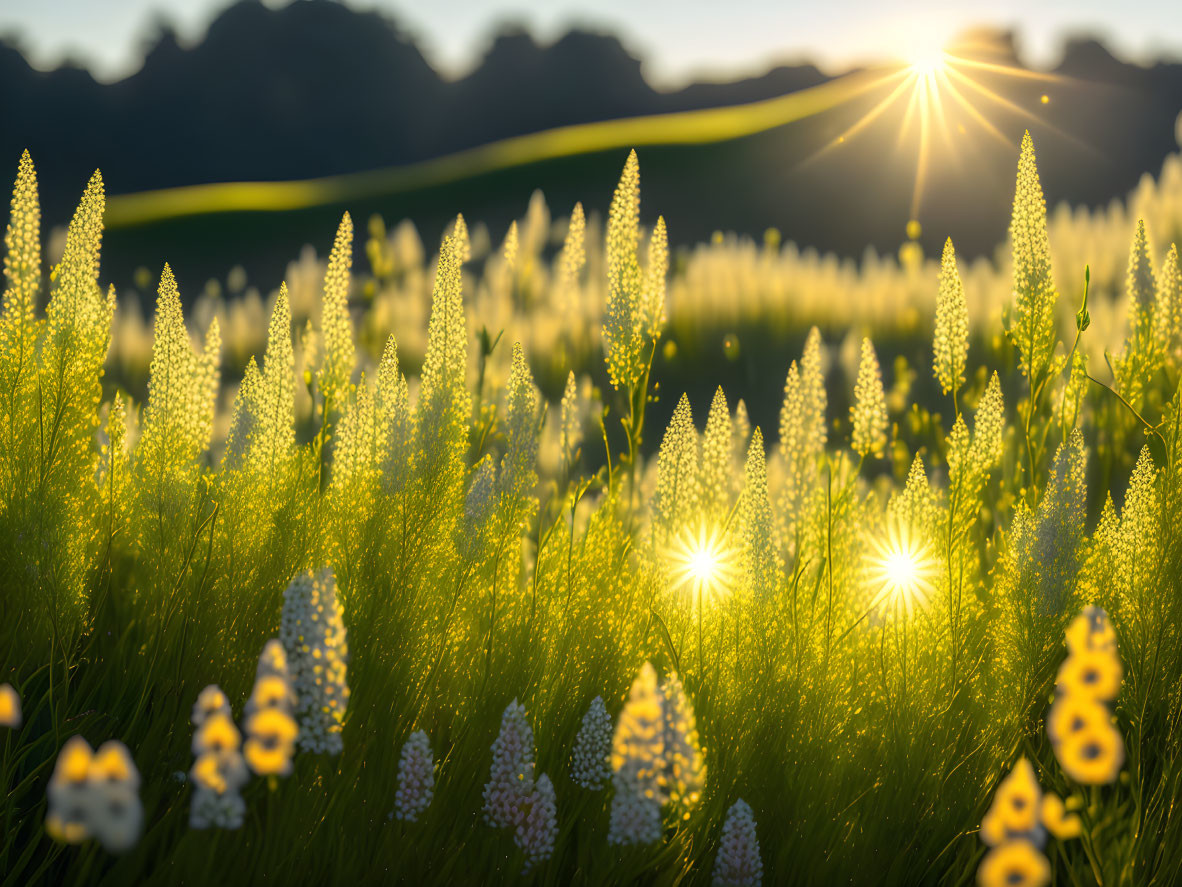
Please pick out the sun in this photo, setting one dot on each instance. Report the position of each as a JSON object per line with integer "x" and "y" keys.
{"x": 901, "y": 567}
{"x": 927, "y": 62}
{"x": 941, "y": 92}
{"x": 702, "y": 560}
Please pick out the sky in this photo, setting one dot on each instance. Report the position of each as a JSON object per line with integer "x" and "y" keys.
{"x": 679, "y": 40}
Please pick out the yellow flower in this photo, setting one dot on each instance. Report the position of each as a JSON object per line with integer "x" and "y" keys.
{"x": 10, "y": 707}
{"x": 216, "y": 734}
{"x": 1091, "y": 630}
{"x": 1071, "y": 714}
{"x": 73, "y": 763}
{"x": 210, "y": 701}
{"x": 219, "y": 772}
{"x": 1092, "y": 756}
{"x": 113, "y": 764}
{"x": 271, "y": 739}
{"x": 1095, "y": 674}
{"x": 68, "y": 826}
{"x": 1059, "y": 822}
{"x": 270, "y": 691}
{"x": 1014, "y": 864}
{"x": 1016, "y": 801}
{"x": 992, "y": 830}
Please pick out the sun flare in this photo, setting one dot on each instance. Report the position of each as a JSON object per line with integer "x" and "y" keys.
{"x": 702, "y": 561}
{"x": 901, "y": 568}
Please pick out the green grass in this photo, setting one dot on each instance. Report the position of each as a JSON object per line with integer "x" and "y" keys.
{"x": 867, "y": 732}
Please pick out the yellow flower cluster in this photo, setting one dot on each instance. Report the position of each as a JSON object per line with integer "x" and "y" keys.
{"x": 1016, "y": 829}
{"x": 1080, "y": 724}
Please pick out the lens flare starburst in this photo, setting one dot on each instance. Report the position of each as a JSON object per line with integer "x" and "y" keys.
{"x": 938, "y": 88}
{"x": 702, "y": 561}
{"x": 901, "y": 568}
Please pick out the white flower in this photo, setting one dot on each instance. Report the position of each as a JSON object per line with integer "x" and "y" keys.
{"x": 313, "y": 634}
{"x": 68, "y": 819}
{"x": 511, "y": 777}
{"x": 95, "y": 794}
{"x": 210, "y": 701}
{"x": 536, "y": 833}
{"x": 416, "y": 778}
{"x": 738, "y": 863}
{"x": 590, "y": 765}
{"x": 655, "y": 758}
{"x": 212, "y": 810}
{"x": 683, "y": 773}
{"x": 635, "y": 817}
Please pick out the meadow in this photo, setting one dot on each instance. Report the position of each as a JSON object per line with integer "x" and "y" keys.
{"x": 430, "y": 573}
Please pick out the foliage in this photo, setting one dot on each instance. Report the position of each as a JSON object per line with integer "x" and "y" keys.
{"x": 854, "y": 628}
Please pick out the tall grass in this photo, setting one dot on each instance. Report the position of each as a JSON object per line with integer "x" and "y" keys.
{"x": 859, "y": 659}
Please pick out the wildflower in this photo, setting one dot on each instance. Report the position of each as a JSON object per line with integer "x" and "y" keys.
{"x": 950, "y": 346}
{"x": 1093, "y": 755}
{"x": 536, "y": 832}
{"x": 479, "y": 504}
{"x": 1089, "y": 748}
{"x": 444, "y": 402}
{"x": 802, "y": 426}
{"x": 1091, "y": 630}
{"x": 635, "y": 297}
{"x": 1058, "y": 821}
{"x": 182, "y": 389}
{"x": 10, "y": 707}
{"x": 714, "y": 481}
{"x": 335, "y": 323}
{"x": 1014, "y": 864}
{"x": 270, "y": 691}
{"x": 245, "y": 421}
{"x": 572, "y": 258}
{"x": 216, "y": 734}
{"x": 270, "y": 743}
{"x": 22, "y": 267}
{"x": 684, "y": 771}
{"x": 211, "y": 809}
{"x": 356, "y": 451}
{"x": 210, "y": 701}
{"x": 1167, "y": 308}
{"x": 276, "y": 391}
{"x": 416, "y": 778}
{"x": 1090, "y": 674}
{"x": 590, "y": 765}
{"x": 1017, "y": 799}
{"x": 511, "y": 778}
{"x": 95, "y": 794}
{"x": 1070, "y": 714}
{"x": 677, "y": 473}
{"x": 761, "y": 559}
{"x": 738, "y": 863}
{"x": 313, "y": 635}
{"x": 115, "y": 815}
{"x": 69, "y": 793}
{"x": 655, "y": 758}
{"x": 220, "y": 771}
{"x": 868, "y": 415}
{"x": 572, "y": 421}
{"x": 393, "y": 420}
{"x": 521, "y": 455}
{"x": 1033, "y": 325}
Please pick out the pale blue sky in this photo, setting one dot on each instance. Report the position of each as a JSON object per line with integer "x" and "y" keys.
{"x": 679, "y": 39}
